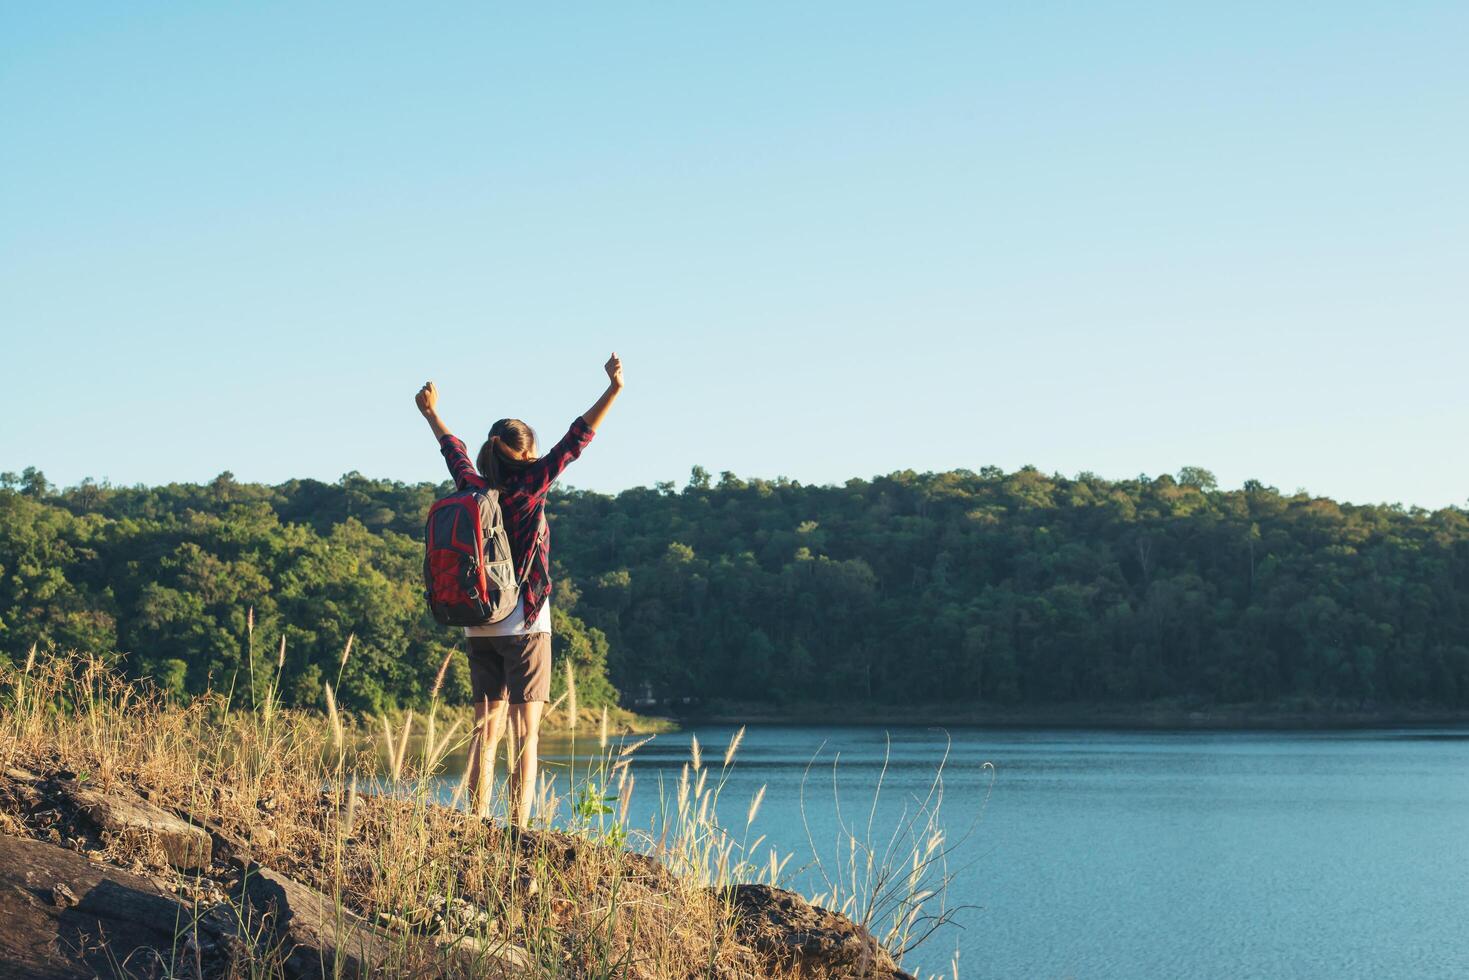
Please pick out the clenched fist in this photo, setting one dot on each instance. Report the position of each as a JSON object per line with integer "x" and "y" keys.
{"x": 427, "y": 398}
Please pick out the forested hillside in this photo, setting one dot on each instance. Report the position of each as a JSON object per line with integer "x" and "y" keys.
{"x": 166, "y": 576}
{"x": 1012, "y": 588}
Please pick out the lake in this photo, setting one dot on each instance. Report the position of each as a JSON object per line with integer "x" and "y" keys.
{"x": 1137, "y": 855}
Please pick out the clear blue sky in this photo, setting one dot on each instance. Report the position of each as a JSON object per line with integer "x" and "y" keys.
{"x": 829, "y": 239}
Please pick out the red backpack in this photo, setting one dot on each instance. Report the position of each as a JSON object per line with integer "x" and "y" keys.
{"x": 468, "y": 573}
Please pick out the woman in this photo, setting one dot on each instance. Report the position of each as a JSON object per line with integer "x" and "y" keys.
{"x": 510, "y": 661}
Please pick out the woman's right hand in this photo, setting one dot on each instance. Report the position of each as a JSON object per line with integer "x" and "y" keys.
{"x": 427, "y": 399}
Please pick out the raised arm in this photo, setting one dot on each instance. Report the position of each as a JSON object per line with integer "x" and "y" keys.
{"x": 428, "y": 405}
{"x": 460, "y": 468}
{"x": 594, "y": 415}
{"x": 544, "y": 471}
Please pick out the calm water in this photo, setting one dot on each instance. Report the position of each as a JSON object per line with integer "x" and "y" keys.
{"x": 1140, "y": 855}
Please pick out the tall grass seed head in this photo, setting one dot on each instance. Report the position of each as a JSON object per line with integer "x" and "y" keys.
{"x": 755, "y": 805}
{"x": 439, "y": 677}
{"x": 331, "y": 710}
{"x": 734, "y": 746}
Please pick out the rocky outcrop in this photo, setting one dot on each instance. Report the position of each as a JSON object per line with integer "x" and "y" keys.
{"x": 66, "y": 916}
{"x": 196, "y": 902}
{"x": 118, "y": 810}
{"x": 318, "y": 938}
{"x": 798, "y": 935}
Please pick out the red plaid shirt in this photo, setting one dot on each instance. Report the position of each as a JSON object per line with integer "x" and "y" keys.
{"x": 523, "y": 502}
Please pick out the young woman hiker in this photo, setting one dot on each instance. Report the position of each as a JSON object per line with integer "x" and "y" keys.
{"x": 510, "y": 661}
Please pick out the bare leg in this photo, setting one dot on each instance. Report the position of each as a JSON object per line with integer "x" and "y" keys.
{"x": 489, "y": 724}
{"x": 525, "y": 721}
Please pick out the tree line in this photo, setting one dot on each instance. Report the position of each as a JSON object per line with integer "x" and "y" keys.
{"x": 1015, "y": 588}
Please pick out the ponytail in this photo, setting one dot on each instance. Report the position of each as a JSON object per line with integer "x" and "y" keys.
{"x": 506, "y": 436}
{"x": 488, "y": 463}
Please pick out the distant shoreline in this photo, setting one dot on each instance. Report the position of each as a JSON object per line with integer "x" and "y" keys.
{"x": 1141, "y": 717}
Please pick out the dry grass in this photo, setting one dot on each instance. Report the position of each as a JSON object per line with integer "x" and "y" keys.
{"x": 350, "y": 806}
{"x": 309, "y": 796}
{"x": 894, "y": 880}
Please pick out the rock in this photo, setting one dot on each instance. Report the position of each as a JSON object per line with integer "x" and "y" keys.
{"x": 64, "y": 916}
{"x": 461, "y": 916}
{"x": 316, "y": 937}
{"x": 320, "y": 939}
{"x": 62, "y": 897}
{"x": 117, "y": 810}
{"x": 489, "y": 957}
{"x": 793, "y": 933}
{"x": 224, "y": 847}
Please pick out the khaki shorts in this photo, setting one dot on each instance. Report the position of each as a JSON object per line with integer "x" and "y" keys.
{"x": 510, "y": 668}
